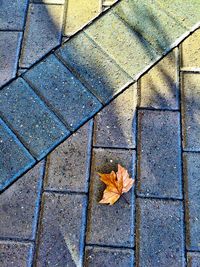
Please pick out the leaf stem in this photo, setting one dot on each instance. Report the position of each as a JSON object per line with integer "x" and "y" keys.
{"x": 125, "y": 199}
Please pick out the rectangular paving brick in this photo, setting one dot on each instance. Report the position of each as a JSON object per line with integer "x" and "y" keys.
{"x": 15, "y": 254}
{"x": 66, "y": 95}
{"x": 42, "y": 33}
{"x": 150, "y": 21}
{"x": 12, "y": 14}
{"x": 9, "y": 53}
{"x": 159, "y": 236}
{"x": 192, "y": 196}
{"x": 193, "y": 259}
{"x": 94, "y": 67}
{"x": 105, "y": 257}
{"x": 110, "y": 32}
{"x": 159, "y": 86}
{"x": 68, "y": 166}
{"x": 61, "y": 235}
{"x": 110, "y": 225}
{"x": 37, "y": 127}
{"x": 190, "y": 56}
{"x": 14, "y": 158}
{"x": 115, "y": 125}
{"x": 159, "y": 154}
{"x": 19, "y": 205}
{"x": 191, "y": 111}
{"x": 79, "y": 13}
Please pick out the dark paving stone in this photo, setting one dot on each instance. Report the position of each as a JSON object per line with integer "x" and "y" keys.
{"x": 15, "y": 254}
{"x": 12, "y": 14}
{"x": 160, "y": 238}
{"x": 191, "y": 111}
{"x": 193, "y": 259}
{"x": 115, "y": 125}
{"x": 61, "y": 235}
{"x": 9, "y": 53}
{"x": 94, "y": 67}
{"x": 106, "y": 257}
{"x": 42, "y": 33}
{"x": 37, "y": 127}
{"x": 110, "y": 32}
{"x": 68, "y": 166}
{"x": 14, "y": 158}
{"x": 65, "y": 94}
{"x": 192, "y": 193}
{"x": 149, "y": 20}
{"x": 110, "y": 225}
{"x": 19, "y": 205}
{"x": 159, "y": 154}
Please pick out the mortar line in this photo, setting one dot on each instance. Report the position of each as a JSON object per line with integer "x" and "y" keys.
{"x": 109, "y": 246}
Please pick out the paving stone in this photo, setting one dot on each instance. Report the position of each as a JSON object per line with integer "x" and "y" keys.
{"x": 191, "y": 111}
{"x": 37, "y": 127}
{"x": 12, "y": 14}
{"x": 100, "y": 227}
{"x": 68, "y": 166}
{"x": 151, "y": 22}
{"x": 9, "y": 54}
{"x": 159, "y": 154}
{"x": 159, "y": 86}
{"x": 190, "y": 52}
{"x": 42, "y": 33}
{"x": 19, "y": 205}
{"x": 193, "y": 259}
{"x": 79, "y": 13}
{"x": 109, "y": 2}
{"x": 115, "y": 125}
{"x": 160, "y": 233}
{"x": 69, "y": 99}
{"x": 192, "y": 188}
{"x": 14, "y": 158}
{"x": 94, "y": 67}
{"x": 105, "y": 257}
{"x": 13, "y": 254}
{"x": 110, "y": 32}
{"x": 62, "y": 231}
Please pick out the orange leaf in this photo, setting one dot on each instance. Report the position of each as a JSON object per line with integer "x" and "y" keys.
{"x": 116, "y": 184}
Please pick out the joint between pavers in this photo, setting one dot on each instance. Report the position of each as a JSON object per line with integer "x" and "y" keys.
{"x": 109, "y": 246}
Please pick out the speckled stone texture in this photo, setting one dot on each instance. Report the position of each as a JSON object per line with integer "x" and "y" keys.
{"x": 42, "y": 33}
{"x": 94, "y": 67}
{"x": 61, "y": 233}
{"x": 9, "y": 55}
{"x": 115, "y": 125}
{"x": 12, "y": 14}
{"x": 110, "y": 32}
{"x": 13, "y": 254}
{"x": 63, "y": 92}
{"x": 193, "y": 259}
{"x": 106, "y": 257}
{"x": 12, "y": 166}
{"x": 159, "y": 154}
{"x": 159, "y": 235}
{"x": 192, "y": 192}
{"x": 159, "y": 86}
{"x": 37, "y": 127}
{"x": 114, "y": 225}
{"x": 191, "y": 111}
{"x": 19, "y": 205}
{"x": 68, "y": 166}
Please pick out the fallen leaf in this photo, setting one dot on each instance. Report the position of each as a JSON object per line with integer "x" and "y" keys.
{"x": 116, "y": 184}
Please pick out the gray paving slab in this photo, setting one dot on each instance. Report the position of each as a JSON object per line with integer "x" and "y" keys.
{"x": 96, "y": 69}
{"x": 66, "y": 95}
{"x": 110, "y": 225}
{"x": 159, "y": 154}
{"x": 37, "y": 127}
{"x": 14, "y": 158}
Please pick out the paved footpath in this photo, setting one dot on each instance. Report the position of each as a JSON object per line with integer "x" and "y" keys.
{"x": 51, "y": 216}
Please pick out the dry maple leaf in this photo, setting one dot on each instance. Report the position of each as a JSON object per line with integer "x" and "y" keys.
{"x": 116, "y": 184}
